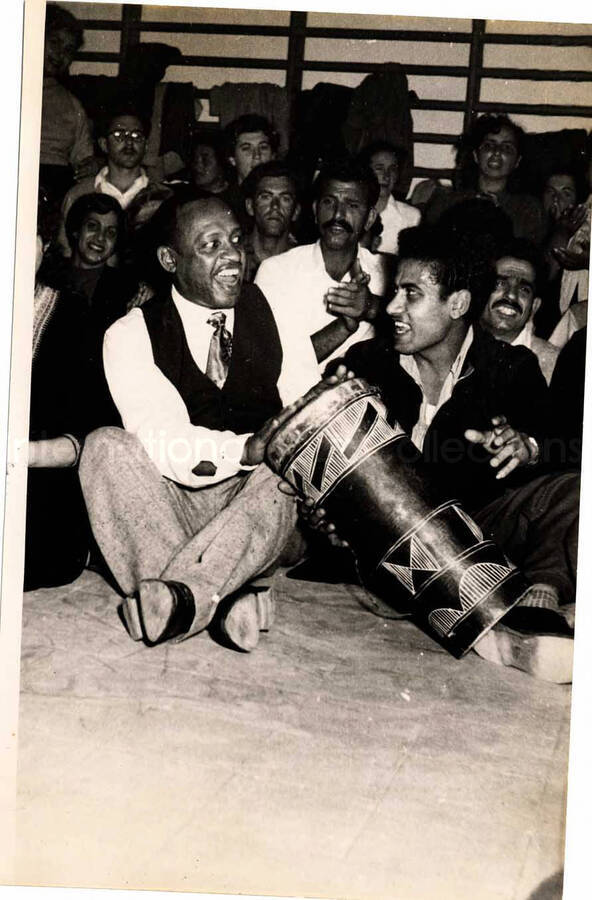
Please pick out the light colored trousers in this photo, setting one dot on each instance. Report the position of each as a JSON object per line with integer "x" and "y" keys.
{"x": 214, "y": 539}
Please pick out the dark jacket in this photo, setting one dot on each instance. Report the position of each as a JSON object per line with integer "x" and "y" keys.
{"x": 496, "y": 379}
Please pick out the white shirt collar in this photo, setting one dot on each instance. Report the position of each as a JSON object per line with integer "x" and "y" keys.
{"x": 524, "y": 339}
{"x": 198, "y": 315}
{"x": 427, "y": 411}
{"x": 139, "y": 183}
{"x": 319, "y": 262}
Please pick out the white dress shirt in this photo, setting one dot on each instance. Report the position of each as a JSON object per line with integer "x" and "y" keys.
{"x": 395, "y": 217}
{"x": 104, "y": 186}
{"x": 427, "y": 411}
{"x": 295, "y": 284}
{"x": 152, "y": 408}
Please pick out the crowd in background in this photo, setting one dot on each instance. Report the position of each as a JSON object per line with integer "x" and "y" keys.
{"x": 104, "y": 202}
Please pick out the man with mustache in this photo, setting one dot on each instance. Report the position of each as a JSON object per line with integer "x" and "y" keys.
{"x": 477, "y": 409}
{"x": 124, "y": 144}
{"x": 185, "y": 513}
{"x": 271, "y": 199}
{"x": 512, "y": 305}
{"x": 331, "y": 289}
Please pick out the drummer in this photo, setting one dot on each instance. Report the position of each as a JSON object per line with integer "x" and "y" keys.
{"x": 477, "y": 408}
{"x": 181, "y": 505}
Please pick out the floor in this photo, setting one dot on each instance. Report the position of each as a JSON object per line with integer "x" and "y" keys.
{"x": 347, "y": 756}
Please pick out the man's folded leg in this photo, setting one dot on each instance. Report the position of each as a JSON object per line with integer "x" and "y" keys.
{"x": 176, "y": 552}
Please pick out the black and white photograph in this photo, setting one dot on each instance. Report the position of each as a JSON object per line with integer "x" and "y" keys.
{"x": 294, "y": 529}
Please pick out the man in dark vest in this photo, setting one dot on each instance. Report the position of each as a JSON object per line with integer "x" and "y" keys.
{"x": 185, "y": 512}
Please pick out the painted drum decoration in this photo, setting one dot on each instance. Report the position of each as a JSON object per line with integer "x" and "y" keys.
{"x": 339, "y": 450}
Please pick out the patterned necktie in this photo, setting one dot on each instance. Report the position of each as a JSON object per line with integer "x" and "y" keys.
{"x": 220, "y": 349}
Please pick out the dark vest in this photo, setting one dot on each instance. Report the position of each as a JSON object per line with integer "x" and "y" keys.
{"x": 249, "y": 395}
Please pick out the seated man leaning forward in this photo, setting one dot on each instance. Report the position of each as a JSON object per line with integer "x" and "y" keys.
{"x": 477, "y": 408}
{"x": 331, "y": 290}
{"x": 181, "y": 505}
{"x": 512, "y": 305}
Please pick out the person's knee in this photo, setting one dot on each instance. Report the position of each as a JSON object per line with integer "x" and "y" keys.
{"x": 102, "y": 447}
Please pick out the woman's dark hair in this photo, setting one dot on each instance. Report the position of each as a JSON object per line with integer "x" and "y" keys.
{"x": 366, "y": 153}
{"x": 97, "y": 203}
{"x": 467, "y": 170}
{"x": 59, "y": 19}
{"x": 213, "y": 139}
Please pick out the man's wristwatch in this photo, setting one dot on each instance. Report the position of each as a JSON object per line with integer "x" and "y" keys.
{"x": 534, "y": 451}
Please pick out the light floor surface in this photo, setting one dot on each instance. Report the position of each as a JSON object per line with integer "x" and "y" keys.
{"x": 348, "y": 756}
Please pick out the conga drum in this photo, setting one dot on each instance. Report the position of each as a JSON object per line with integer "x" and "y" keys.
{"x": 339, "y": 450}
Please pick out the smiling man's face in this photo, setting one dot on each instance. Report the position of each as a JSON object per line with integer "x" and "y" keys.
{"x": 209, "y": 260}
{"x": 513, "y": 300}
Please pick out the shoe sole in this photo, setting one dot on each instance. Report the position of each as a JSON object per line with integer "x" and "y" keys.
{"x": 547, "y": 657}
{"x": 249, "y": 615}
{"x": 131, "y": 618}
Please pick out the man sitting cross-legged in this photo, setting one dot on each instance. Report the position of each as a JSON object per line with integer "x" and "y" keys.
{"x": 181, "y": 505}
{"x": 477, "y": 408}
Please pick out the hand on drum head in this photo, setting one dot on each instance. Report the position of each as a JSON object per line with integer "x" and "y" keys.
{"x": 316, "y": 519}
{"x": 255, "y": 445}
{"x": 505, "y": 445}
{"x": 341, "y": 373}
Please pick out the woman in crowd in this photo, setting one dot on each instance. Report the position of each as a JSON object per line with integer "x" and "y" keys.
{"x": 487, "y": 164}
{"x": 75, "y": 302}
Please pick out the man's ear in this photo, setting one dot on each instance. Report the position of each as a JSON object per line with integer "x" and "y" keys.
{"x": 167, "y": 259}
{"x": 296, "y": 213}
{"x": 249, "y": 206}
{"x": 232, "y": 161}
{"x": 370, "y": 219}
{"x": 459, "y": 303}
{"x": 103, "y": 145}
{"x": 536, "y": 305}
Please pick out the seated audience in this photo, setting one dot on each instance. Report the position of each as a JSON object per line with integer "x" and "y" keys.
{"x": 67, "y": 151}
{"x": 331, "y": 289}
{"x": 74, "y": 304}
{"x": 208, "y": 164}
{"x": 477, "y": 409}
{"x": 271, "y": 199}
{"x": 384, "y": 159}
{"x": 510, "y": 309}
{"x": 570, "y": 244}
{"x": 124, "y": 143}
{"x": 487, "y": 160}
{"x": 183, "y": 508}
{"x": 250, "y": 140}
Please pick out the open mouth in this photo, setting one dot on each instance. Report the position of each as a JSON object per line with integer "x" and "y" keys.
{"x": 228, "y": 277}
{"x": 401, "y": 328}
{"x": 507, "y": 310}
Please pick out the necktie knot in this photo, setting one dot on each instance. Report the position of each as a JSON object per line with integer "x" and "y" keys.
{"x": 217, "y": 320}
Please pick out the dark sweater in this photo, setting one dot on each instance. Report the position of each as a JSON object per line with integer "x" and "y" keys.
{"x": 496, "y": 379}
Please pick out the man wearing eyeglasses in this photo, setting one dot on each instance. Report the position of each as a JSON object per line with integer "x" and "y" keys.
{"x": 124, "y": 144}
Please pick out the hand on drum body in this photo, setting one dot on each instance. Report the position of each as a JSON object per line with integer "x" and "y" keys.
{"x": 317, "y": 520}
{"x": 255, "y": 445}
{"x": 505, "y": 444}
